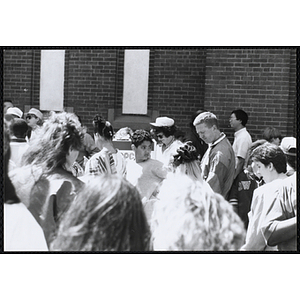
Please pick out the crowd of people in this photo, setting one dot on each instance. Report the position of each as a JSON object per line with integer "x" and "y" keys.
{"x": 68, "y": 190}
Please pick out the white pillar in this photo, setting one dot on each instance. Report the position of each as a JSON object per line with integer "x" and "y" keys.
{"x": 52, "y": 80}
{"x": 136, "y": 77}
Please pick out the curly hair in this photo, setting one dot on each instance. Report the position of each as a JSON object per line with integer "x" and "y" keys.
{"x": 60, "y": 133}
{"x": 139, "y": 136}
{"x": 194, "y": 218}
{"x": 103, "y": 127}
{"x": 107, "y": 215}
{"x": 269, "y": 153}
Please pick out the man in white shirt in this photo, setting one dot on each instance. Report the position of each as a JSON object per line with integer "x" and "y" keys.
{"x": 242, "y": 139}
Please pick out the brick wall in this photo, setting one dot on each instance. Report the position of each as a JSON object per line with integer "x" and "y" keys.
{"x": 259, "y": 81}
{"x": 181, "y": 81}
{"x": 21, "y": 77}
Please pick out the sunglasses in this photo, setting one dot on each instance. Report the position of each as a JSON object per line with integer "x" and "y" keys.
{"x": 159, "y": 136}
{"x": 30, "y": 116}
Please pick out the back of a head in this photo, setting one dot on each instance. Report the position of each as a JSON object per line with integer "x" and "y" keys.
{"x": 208, "y": 118}
{"x": 269, "y": 153}
{"x": 60, "y": 133}
{"x": 271, "y": 133}
{"x": 191, "y": 217}
{"x": 187, "y": 159}
{"x": 107, "y": 215}
{"x": 241, "y": 115}
{"x": 139, "y": 136}
{"x": 103, "y": 127}
{"x": 19, "y": 128}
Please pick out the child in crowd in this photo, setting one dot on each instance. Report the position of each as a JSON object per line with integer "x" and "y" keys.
{"x": 145, "y": 173}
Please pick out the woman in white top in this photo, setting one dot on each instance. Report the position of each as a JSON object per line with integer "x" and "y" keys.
{"x": 164, "y": 131}
{"x": 109, "y": 159}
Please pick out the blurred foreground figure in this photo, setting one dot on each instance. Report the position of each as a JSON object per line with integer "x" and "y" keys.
{"x": 45, "y": 183}
{"x": 107, "y": 215}
{"x": 191, "y": 217}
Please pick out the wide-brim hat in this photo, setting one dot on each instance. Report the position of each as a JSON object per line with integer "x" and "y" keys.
{"x": 163, "y": 121}
{"x": 15, "y": 111}
{"x": 289, "y": 145}
{"x": 36, "y": 112}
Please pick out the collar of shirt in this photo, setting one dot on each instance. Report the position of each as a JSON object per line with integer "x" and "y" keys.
{"x": 239, "y": 131}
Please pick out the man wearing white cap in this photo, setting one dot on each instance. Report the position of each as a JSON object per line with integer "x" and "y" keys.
{"x": 34, "y": 119}
{"x": 164, "y": 129}
{"x": 288, "y": 146}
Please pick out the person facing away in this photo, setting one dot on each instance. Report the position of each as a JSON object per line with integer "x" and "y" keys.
{"x": 272, "y": 135}
{"x": 44, "y": 182}
{"x": 242, "y": 138}
{"x": 164, "y": 130}
{"x": 6, "y": 105}
{"x": 218, "y": 162}
{"x": 193, "y": 136}
{"x": 187, "y": 161}
{"x": 18, "y": 143}
{"x": 21, "y": 232}
{"x": 191, "y": 217}
{"x": 109, "y": 159}
{"x": 88, "y": 146}
{"x": 268, "y": 162}
{"x": 289, "y": 148}
{"x": 107, "y": 215}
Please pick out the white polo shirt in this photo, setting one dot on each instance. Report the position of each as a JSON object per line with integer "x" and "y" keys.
{"x": 241, "y": 144}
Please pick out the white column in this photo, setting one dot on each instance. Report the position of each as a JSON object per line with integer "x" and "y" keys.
{"x": 136, "y": 77}
{"x": 52, "y": 80}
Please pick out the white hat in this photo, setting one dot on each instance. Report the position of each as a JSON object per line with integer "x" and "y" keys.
{"x": 36, "y": 112}
{"x": 15, "y": 111}
{"x": 287, "y": 144}
{"x": 163, "y": 121}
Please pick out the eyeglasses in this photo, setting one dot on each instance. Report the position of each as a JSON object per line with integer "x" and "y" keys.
{"x": 30, "y": 116}
{"x": 159, "y": 136}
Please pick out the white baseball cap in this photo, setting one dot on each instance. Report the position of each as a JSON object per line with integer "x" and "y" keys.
{"x": 36, "y": 112}
{"x": 15, "y": 111}
{"x": 287, "y": 144}
{"x": 163, "y": 121}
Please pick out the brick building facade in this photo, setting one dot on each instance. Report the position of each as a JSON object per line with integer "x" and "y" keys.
{"x": 181, "y": 81}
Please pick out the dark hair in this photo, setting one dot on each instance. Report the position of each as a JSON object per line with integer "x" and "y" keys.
{"x": 10, "y": 195}
{"x": 107, "y": 215}
{"x": 165, "y": 130}
{"x": 269, "y": 153}
{"x": 19, "y": 128}
{"x": 271, "y": 133}
{"x": 186, "y": 153}
{"x": 60, "y": 133}
{"x": 103, "y": 127}
{"x": 292, "y": 159}
{"x": 139, "y": 136}
{"x": 241, "y": 115}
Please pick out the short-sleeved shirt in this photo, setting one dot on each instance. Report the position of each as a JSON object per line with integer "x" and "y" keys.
{"x": 283, "y": 207}
{"x": 146, "y": 176}
{"x": 166, "y": 157}
{"x": 262, "y": 197}
{"x": 241, "y": 144}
